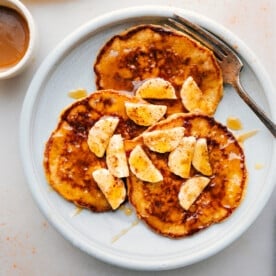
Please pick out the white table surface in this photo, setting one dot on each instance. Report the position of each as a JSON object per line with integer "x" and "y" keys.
{"x": 29, "y": 245}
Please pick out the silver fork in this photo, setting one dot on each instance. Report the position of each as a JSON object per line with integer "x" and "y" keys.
{"x": 230, "y": 63}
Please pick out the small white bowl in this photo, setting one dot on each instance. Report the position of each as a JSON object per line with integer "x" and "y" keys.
{"x": 26, "y": 59}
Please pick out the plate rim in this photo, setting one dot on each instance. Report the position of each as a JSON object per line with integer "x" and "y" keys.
{"x": 65, "y": 45}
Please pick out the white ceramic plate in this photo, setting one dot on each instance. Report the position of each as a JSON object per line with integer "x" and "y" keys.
{"x": 69, "y": 67}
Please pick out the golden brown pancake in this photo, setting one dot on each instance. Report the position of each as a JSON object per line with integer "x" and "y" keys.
{"x": 148, "y": 51}
{"x": 68, "y": 162}
{"x": 157, "y": 203}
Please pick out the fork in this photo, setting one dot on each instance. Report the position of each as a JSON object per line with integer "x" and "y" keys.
{"x": 230, "y": 63}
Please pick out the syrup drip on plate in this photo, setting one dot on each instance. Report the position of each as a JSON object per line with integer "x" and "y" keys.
{"x": 124, "y": 231}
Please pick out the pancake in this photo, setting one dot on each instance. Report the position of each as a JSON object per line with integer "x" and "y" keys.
{"x": 151, "y": 51}
{"x": 158, "y": 204}
{"x": 68, "y": 161}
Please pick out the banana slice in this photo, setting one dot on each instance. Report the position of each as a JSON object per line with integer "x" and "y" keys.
{"x": 163, "y": 140}
{"x": 180, "y": 159}
{"x": 116, "y": 157}
{"x": 156, "y": 88}
{"x": 145, "y": 114}
{"x": 191, "y": 189}
{"x": 100, "y": 133}
{"x": 191, "y": 95}
{"x": 201, "y": 157}
{"x": 113, "y": 188}
{"x": 142, "y": 166}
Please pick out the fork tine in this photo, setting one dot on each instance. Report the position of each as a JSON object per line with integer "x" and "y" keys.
{"x": 229, "y": 61}
{"x": 197, "y": 37}
{"x": 217, "y": 42}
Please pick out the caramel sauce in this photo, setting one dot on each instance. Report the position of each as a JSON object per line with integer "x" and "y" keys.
{"x": 242, "y": 137}
{"x": 14, "y": 37}
{"x": 77, "y": 94}
{"x": 124, "y": 231}
{"x": 234, "y": 123}
{"x": 259, "y": 166}
{"x": 76, "y": 212}
{"x": 127, "y": 210}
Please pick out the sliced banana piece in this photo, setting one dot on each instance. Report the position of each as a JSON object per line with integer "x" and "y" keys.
{"x": 144, "y": 114}
{"x": 113, "y": 188}
{"x": 156, "y": 88}
{"x": 116, "y": 157}
{"x": 191, "y": 95}
{"x": 191, "y": 189}
{"x": 201, "y": 157}
{"x": 180, "y": 159}
{"x": 100, "y": 133}
{"x": 163, "y": 140}
{"x": 142, "y": 166}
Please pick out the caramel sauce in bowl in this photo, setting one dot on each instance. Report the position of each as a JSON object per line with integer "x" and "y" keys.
{"x": 17, "y": 38}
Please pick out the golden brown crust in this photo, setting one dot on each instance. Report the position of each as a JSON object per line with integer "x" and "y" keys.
{"x": 157, "y": 203}
{"x": 68, "y": 162}
{"x": 148, "y": 51}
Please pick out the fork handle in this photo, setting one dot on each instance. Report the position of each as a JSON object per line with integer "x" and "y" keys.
{"x": 255, "y": 108}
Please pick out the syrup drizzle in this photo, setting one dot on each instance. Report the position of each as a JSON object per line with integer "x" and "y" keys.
{"x": 76, "y": 212}
{"x": 124, "y": 231}
{"x": 244, "y": 136}
{"x": 77, "y": 94}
